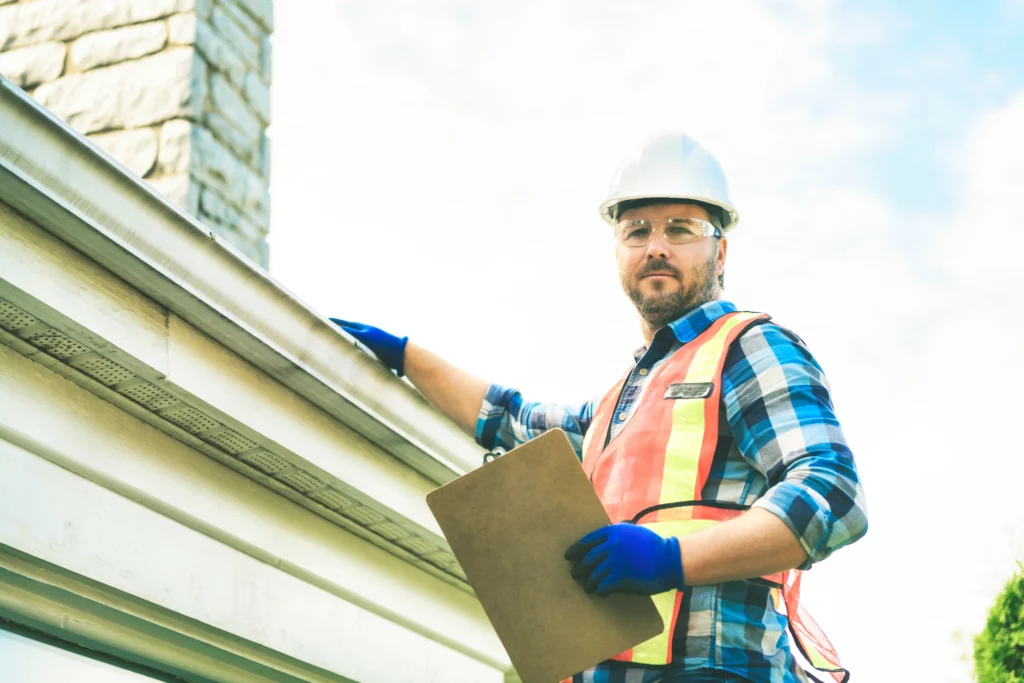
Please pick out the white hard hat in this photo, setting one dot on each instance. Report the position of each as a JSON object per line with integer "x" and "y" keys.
{"x": 671, "y": 166}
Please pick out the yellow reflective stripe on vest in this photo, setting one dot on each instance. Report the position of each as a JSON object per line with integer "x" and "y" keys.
{"x": 682, "y": 454}
{"x": 704, "y": 367}
{"x": 692, "y": 426}
{"x": 679, "y": 477}
{"x": 818, "y": 660}
{"x": 679, "y": 527}
{"x": 594, "y": 421}
{"x": 656, "y": 650}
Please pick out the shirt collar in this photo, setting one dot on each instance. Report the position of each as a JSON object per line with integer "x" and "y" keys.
{"x": 693, "y": 323}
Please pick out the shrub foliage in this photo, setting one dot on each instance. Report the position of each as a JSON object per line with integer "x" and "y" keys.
{"x": 999, "y": 649}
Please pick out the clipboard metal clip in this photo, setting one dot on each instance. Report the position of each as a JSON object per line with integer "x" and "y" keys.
{"x": 490, "y": 456}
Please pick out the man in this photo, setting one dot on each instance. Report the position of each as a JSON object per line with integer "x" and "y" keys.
{"x": 718, "y": 454}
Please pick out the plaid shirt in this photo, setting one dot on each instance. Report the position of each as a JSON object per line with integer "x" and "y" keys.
{"x": 786, "y": 454}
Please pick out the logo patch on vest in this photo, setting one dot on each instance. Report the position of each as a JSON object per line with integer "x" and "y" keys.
{"x": 689, "y": 390}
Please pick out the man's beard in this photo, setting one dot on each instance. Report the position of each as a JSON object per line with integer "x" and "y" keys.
{"x": 661, "y": 308}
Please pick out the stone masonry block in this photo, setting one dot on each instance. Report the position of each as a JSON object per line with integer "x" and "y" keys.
{"x": 200, "y": 86}
{"x": 243, "y": 147}
{"x": 242, "y": 18}
{"x": 30, "y": 66}
{"x": 204, "y": 8}
{"x": 181, "y": 29}
{"x": 247, "y": 47}
{"x": 258, "y": 95}
{"x": 213, "y": 164}
{"x": 229, "y": 103}
{"x": 181, "y": 190}
{"x": 175, "y": 147}
{"x": 262, "y": 11}
{"x": 264, "y": 254}
{"x": 219, "y": 54}
{"x": 212, "y": 204}
{"x": 117, "y": 45}
{"x": 38, "y": 21}
{"x": 135, "y": 149}
{"x": 265, "y": 156}
{"x": 266, "y": 68}
{"x": 128, "y": 95}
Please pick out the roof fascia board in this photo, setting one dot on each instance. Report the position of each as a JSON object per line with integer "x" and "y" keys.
{"x": 60, "y": 180}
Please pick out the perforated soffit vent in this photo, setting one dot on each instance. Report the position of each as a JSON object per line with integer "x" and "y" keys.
{"x": 168, "y": 407}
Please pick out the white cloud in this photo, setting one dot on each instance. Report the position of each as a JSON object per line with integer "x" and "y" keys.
{"x": 946, "y": 405}
{"x": 498, "y": 127}
{"x": 985, "y": 250}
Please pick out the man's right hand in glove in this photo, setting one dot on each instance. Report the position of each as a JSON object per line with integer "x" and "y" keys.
{"x": 387, "y": 347}
{"x": 454, "y": 392}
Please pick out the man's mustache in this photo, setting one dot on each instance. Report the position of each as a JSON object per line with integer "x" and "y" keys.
{"x": 658, "y": 266}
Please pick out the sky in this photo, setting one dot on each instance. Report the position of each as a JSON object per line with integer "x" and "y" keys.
{"x": 437, "y": 168}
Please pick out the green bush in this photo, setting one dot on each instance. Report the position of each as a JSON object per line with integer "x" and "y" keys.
{"x": 999, "y": 649}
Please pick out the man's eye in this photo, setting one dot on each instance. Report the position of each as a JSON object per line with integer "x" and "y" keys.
{"x": 635, "y": 233}
{"x": 678, "y": 231}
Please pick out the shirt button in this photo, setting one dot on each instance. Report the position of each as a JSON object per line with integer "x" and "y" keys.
{"x": 643, "y": 371}
{"x": 622, "y": 417}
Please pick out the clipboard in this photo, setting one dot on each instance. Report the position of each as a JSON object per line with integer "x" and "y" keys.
{"x": 509, "y": 523}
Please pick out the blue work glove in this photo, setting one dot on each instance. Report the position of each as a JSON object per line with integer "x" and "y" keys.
{"x": 626, "y": 558}
{"x": 389, "y": 348}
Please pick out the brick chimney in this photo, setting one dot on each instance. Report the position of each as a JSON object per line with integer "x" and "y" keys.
{"x": 176, "y": 90}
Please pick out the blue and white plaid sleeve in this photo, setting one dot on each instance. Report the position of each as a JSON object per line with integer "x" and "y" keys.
{"x": 779, "y": 407}
{"x": 507, "y": 421}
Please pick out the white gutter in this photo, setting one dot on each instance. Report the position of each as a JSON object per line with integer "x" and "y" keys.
{"x": 61, "y": 181}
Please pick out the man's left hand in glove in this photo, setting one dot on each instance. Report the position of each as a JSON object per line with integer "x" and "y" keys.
{"x": 626, "y": 558}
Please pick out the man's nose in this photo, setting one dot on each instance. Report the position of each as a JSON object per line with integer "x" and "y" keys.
{"x": 658, "y": 246}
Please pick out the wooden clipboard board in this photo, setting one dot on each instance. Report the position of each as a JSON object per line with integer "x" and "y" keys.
{"x": 509, "y": 523}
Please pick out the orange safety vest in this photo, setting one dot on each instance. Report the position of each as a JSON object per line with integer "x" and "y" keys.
{"x": 653, "y": 473}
